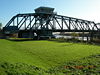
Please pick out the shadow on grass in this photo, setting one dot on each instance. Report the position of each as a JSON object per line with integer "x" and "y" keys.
{"x": 23, "y": 39}
{"x": 19, "y": 69}
{"x": 89, "y": 65}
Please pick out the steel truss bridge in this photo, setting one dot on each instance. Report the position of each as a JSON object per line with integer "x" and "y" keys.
{"x": 44, "y": 24}
{"x": 56, "y": 23}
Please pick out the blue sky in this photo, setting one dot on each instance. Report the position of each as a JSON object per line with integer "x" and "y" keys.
{"x": 84, "y": 9}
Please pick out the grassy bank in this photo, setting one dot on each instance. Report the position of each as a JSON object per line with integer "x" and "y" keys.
{"x": 43, "y": 54}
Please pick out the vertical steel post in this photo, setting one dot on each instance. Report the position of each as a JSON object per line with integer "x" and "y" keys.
{"x": 69, "y": 24}
{"x": 25, "y": 23}
{"x": 13, "y": 22}
{"x": 54, "y": 23}
{"x": 30, "y": 21}
{"x": 62, "y": 23}
{"x": 17, "y": 20}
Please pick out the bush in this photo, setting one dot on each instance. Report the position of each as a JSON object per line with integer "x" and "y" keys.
{"x": 20, "y": 39}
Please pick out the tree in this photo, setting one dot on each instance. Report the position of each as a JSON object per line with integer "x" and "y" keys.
{"x": 0, "y": 26}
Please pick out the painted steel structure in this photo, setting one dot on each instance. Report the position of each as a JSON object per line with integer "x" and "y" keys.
{"x": 56, "y": 23}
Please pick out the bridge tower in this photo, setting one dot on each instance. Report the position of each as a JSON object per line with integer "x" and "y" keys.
{"x": 43, "y": 16}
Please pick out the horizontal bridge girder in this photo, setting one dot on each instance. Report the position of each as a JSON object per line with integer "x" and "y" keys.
{"x": 58, "y": 30}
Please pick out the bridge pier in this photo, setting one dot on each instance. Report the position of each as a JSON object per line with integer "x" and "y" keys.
{"x": 44, "y": 34}
{"x": 91, "y": 36}
{"x": 87, "y": 37}
{"x": 25, "y": 34}
{"x": 39, "y": 34}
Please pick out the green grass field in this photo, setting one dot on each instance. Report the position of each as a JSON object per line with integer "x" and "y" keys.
{"x": 42, "y": 54}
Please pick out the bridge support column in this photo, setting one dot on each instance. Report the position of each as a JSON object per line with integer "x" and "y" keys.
{"x": 91, "y": 36}
{"x": 87, "y": 37}
{"x": 83, "y": 36}
{"x": 25, "y": 34}
{"x": 44, "y": 34}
